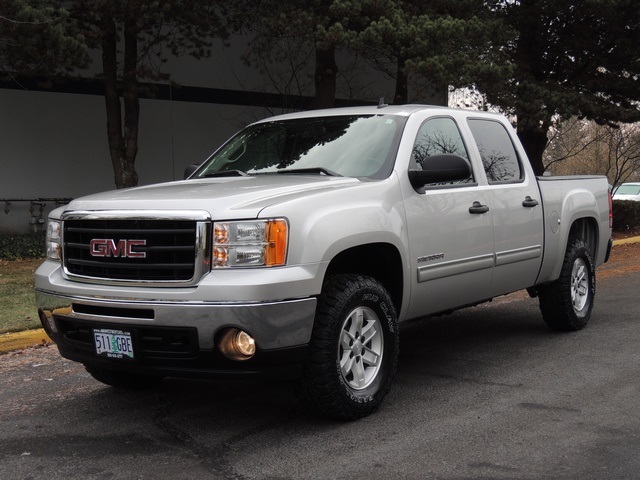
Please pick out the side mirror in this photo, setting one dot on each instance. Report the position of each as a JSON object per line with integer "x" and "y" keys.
{"x": 445, "y": 167}
{"x": 189, "y": 170}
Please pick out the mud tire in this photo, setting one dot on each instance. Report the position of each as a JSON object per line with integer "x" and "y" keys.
{"x": 353, "y": 352}
{"x": 566, "y": 304}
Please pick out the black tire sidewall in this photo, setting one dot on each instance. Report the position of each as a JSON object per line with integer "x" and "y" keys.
{"x": 555, "y": 298}
{"x": 584, "y": 254}
{"x": 378, "y": 302}
{"x": 323, "y": 388}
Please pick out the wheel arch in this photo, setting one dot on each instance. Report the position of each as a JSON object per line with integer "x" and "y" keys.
{"x": 586, "y": 229}
{"x": 381, "y": 261}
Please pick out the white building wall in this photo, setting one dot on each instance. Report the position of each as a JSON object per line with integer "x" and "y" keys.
{"x": 54, "y": 145}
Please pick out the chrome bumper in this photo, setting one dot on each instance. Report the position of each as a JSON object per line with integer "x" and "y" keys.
{"x": 274, "y": 325}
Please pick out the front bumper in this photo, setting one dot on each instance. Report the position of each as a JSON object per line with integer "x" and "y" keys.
{"x": 178, "y": 338}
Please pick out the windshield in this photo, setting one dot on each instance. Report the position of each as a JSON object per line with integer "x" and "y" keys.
{"x": 353, "y": 146}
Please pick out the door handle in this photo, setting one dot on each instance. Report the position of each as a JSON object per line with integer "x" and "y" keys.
{"x": 529, "y": 202}
{"x": 477, "y": 207}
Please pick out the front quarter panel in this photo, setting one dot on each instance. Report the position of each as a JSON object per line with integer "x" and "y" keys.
{"x": 324, "y": 225}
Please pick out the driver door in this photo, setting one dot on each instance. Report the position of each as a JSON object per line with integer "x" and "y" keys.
{"x": 450, "y": 230}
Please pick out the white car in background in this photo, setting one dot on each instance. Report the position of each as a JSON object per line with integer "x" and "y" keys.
{"x": 627, "y": 191}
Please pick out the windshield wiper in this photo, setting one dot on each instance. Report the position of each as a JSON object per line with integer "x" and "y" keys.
{"x": 315, "y": 170}
{"x": 225, "y": 173}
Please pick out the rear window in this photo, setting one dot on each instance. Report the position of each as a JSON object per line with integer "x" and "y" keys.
{"x": 498, "y": 154}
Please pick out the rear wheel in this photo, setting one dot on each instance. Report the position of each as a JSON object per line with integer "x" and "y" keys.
{"x": 353, "y": 351}
{"x": 122, "y": 380}
{"x": 566, "y": 304}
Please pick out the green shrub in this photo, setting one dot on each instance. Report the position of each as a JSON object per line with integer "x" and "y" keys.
{"x": 626, "y": 215}
{"x": 29, "y": 245}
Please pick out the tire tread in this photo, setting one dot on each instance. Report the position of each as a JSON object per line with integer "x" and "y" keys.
{"x": 317, "y": 389}
{"x": 555, "y": 299}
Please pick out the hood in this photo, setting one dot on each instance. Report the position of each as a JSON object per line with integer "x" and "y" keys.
{"x": 226, "y": 197}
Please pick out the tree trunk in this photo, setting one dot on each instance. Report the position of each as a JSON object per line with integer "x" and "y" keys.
{"x": 534, "y": 141}
{"x": 131, "y": 104}
{"x": 123, "y": 145}
{"x": 533, "y": 110}
{"x": 401, "y": 96}
{"x": 325, "y": 78}
{"x": 112, "y": 99}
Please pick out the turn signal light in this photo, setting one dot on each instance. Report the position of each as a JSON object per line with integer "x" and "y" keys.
{"x": 250, "y": 243}
{"x": 277, "y": 234}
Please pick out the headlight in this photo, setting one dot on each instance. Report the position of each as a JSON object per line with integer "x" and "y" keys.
{"x": 53, "y": 240}
{"x": 250, "y": 243}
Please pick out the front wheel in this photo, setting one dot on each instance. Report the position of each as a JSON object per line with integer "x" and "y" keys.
{"x": 353, "y": 352}
{"x": 566, "y": 304}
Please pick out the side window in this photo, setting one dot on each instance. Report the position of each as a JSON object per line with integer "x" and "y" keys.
{"x": 496, "y": 150}
{"x": 436, "y": 136}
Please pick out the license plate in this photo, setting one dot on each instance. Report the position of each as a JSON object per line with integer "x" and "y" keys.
{"x": 116, "y": 344}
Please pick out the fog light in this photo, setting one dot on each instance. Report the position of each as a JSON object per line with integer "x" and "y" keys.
{"x": 237, "y": 344}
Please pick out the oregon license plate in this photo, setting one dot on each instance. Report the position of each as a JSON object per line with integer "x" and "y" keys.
{"x": 111, "y": 343}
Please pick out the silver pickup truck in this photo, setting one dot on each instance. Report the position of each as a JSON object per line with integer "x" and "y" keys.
{"x": 298, "y": 247}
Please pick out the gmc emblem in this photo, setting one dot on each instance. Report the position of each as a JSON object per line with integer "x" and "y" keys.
{"x": 106, "y": 247}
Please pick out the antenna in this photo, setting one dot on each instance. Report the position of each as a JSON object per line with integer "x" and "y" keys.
{"x": 381, "y": 103}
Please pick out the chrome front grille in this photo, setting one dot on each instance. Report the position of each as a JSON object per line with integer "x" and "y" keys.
{"x": 162, "y": 248}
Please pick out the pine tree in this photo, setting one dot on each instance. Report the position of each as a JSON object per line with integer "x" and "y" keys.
{"x": 569, "y": 59}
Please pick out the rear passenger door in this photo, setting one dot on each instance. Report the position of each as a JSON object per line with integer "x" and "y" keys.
{"x": 515, "y": 206}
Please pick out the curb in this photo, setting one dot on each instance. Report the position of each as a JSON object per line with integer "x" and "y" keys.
{"x": 34, "y": 338}
{"x": 25, "y": 339}
{"x": 626, "y": 241}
